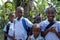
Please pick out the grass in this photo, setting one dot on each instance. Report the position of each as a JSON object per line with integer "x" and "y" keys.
{"x": 1, "y": 34}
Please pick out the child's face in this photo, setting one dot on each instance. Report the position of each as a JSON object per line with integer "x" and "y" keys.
{"x": 36, "y": 31}
{"x": 38, "y": 19}
{"x": 19, "y": 12}
{"x": 11, "y": 18}
{"x": 50, "y": 14}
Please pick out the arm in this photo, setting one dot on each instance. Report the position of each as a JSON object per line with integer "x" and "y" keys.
{"x": 28, "y": 23}
{"x": 5, "y": 34}
{"x": 57, "y": 33}
{"x": 44, "y": 33}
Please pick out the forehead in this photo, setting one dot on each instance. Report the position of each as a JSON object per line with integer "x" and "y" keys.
{"x": 36, "y": 29}
{"x": 36, "y": 26}
{"x": 50, "y": 10}
{"x": 20, "y": 9}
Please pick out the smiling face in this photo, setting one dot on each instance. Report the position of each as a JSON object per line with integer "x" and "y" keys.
{"x": 19, "y": 12}
{"x": 50, "y": 13}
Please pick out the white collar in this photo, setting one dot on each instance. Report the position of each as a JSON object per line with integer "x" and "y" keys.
{"x": 48, "y": 21}
{"x": 37, "y": 37}
{"x": 20, "y": 18}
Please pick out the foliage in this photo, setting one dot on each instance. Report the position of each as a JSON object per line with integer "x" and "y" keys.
{"x": 5, "y": 9}
{"x": 32, "y": 8}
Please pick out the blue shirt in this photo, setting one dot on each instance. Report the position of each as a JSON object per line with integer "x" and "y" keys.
{"x": 50, "y": 35}
{"x": 20, "y": 32}
{"x": 11, "y": 30}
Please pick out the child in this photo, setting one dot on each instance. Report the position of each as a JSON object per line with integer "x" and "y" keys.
{"x": 36, "y": 33}
{"x": 38, "y": 18}
{"x": 9, "y": 28}
{"x": 22, "y": 25}
{"x": 50, "y": 28}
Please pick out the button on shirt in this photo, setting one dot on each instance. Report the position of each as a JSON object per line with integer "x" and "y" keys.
{"x": 50, "y": 35}
{"x": 11, "y": 30}
{"x": 20, "y": 32}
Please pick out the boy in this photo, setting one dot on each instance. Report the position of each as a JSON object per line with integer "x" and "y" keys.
{"x": 36, "y": 33}
{"x": 9, "y": 28}
{"x": 21, "y": 24}
{"x": 50, "y": 28}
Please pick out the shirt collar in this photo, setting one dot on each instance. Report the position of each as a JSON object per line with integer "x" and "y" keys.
{"x": 49, "y": 22}
{"x": 37, "y": 37}
{"x": 20, "y": 18}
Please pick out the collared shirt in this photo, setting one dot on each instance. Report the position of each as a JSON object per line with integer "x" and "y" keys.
{"x": 11, "y": 30}
{"x": 20, "y": 32}
{"x": 50, "y": 35}
{"x": 38, "y": 38}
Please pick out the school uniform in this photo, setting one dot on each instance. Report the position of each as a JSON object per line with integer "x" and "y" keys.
{"x": 20, "y": 32}
{"x": 33, "y": 38}
{"x": 11, "y": 30}
{"x": 50, "y": 35}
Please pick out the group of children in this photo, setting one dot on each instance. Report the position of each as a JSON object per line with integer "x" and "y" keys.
{"x": 45, "y": 30}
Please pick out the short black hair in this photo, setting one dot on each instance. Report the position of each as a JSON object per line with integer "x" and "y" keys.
{"x": 20, "y": 8}
{"x": 11, "y": 14}
{"x": 49, "y": 8}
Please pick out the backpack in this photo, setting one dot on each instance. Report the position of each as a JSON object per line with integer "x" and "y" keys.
{"x": 7, "y": 28}
{"x": 28, "y": 29}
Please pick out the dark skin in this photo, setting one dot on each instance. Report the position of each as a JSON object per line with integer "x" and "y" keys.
{"x": 35, "y": 30}
{"x": 50, "y": 13}
{"x": 13, "y": 38}
{"x": 11, "y": 18}
{"x": 38, "y": 19}
{"x": 19, "y": 12}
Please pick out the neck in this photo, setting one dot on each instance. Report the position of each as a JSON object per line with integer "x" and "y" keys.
{"x": 11, "y": 21}
{"x": 50, "y": 20}
{"x": 19, "y": 18}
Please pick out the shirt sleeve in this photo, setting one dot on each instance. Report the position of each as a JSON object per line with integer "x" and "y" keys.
{"x": 42, "y": 26}
{"x": 28, "y": 23}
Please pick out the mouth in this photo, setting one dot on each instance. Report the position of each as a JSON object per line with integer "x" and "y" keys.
{"x": 51, "y": 17}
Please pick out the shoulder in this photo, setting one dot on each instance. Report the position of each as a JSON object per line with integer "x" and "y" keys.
{"x": 9, "y": 22}
{"x": 25, "y": 18}
{"x": 57, "y": 22}
{"x": 43, "y": 22}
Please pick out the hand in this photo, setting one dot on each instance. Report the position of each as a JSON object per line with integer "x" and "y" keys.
{"x": 53, "y": 29}
{"x": 49, "y": 29}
